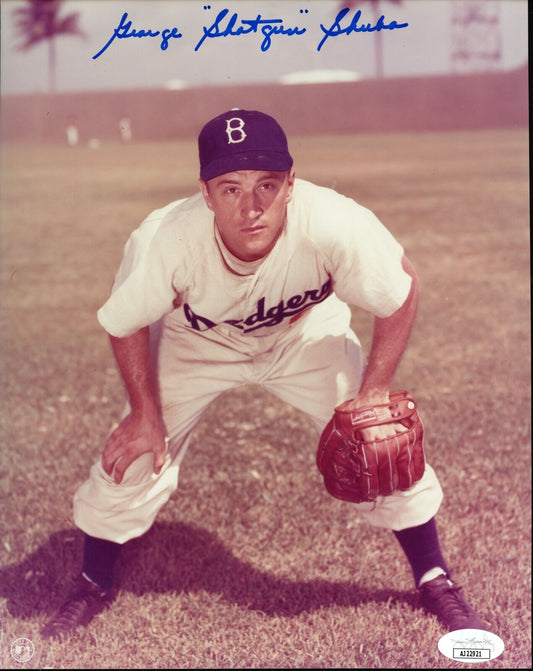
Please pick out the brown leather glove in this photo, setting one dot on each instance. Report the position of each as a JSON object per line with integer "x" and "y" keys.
{"x": 356, "y": 469}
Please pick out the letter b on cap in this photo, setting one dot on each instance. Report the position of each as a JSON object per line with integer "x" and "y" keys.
{"x": 234, "y": 130}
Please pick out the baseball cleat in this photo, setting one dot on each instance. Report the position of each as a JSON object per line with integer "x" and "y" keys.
{"x": 443, "y": 597}
{"x": 84, "y": 602}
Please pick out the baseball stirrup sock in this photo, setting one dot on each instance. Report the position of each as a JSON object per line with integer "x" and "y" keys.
{"x": 99, "y": 559}
{"x": 422, "y": 548}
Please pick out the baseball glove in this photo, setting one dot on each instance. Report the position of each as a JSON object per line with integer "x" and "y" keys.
{"x": 358, "y": 470}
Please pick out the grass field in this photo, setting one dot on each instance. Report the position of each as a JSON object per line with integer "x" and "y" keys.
{"x": 252, "y": 564}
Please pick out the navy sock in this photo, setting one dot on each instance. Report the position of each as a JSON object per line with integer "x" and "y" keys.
{"x": 422, "y": 548}
{"x": 99, "y": 560}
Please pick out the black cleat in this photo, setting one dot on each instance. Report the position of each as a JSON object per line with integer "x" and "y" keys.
{"x": 84, "y": 602}
{"x": 443, "y": 597}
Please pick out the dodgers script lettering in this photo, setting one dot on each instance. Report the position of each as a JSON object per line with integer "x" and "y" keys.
{"x": 264, "y": 316}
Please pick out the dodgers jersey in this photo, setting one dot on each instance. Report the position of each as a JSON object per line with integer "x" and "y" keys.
{"x": 176, "y": 266}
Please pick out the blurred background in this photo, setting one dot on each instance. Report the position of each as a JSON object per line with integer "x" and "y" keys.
{"x": 457, "y": 64}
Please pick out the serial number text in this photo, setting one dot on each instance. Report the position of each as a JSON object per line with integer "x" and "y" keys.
{"x": 461, "y": 653}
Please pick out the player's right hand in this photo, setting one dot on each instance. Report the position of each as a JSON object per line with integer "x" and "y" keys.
{"x": 134, "y": 436}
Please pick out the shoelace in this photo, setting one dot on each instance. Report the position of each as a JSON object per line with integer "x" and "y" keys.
{"x": 70, "y": 612}
{"x": 452, "y": 604}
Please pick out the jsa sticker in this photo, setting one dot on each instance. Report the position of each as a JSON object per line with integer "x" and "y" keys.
{"x": 471, "y": 645}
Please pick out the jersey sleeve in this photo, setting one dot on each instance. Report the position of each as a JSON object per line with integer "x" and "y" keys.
{"x": 363, "y": 257}
{"x": 143, "y": 289}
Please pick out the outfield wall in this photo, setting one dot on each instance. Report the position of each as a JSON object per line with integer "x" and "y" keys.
{"x": 495, "y": 100}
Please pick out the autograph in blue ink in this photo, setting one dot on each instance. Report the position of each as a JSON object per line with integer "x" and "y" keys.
{"x": 124, "y": 30}
{"x": 234, "y": 26}
{"x": 269, "y": 27}
{"x": 336, "y": 29}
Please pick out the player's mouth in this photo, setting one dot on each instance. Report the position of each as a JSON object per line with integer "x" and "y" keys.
{"x": 251, "y": 230}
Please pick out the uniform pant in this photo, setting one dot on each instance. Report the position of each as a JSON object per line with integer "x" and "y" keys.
{"x": 314, "y": 364}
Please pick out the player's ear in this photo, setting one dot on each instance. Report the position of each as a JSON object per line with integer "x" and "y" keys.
{"x": 290, "y": 178}
{"x": 205, "y": 194}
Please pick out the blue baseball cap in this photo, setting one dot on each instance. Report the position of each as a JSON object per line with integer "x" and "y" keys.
{"x": 242, "y": 140}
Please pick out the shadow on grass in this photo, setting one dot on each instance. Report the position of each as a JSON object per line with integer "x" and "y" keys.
{"x": 177, "y": 558}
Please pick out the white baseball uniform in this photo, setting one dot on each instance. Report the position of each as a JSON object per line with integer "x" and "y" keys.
{"x": 217, "y": 322}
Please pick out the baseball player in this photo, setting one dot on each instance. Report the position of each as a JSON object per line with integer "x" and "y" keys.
{"x": 249, "y": 281}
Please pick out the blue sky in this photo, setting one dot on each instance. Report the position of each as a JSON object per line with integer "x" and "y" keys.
{"x": 423, "y": 47}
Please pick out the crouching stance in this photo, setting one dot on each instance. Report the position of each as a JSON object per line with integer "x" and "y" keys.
{"x": 249, "y": 281}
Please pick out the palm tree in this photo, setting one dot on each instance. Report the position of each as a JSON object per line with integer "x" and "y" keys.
{"x": 379, "y": 41}
{"x": 39, "y": 21}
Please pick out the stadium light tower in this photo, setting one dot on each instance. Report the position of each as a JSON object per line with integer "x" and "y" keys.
{"x": 476, "y": 36}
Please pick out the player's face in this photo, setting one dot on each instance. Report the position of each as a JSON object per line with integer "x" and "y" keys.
{"x": 249, "y": 207}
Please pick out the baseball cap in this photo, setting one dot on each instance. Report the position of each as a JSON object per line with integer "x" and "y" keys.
{"x": 242, "y": 140}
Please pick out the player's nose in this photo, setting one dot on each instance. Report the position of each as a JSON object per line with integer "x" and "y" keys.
{"x": 250, "y": 205}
